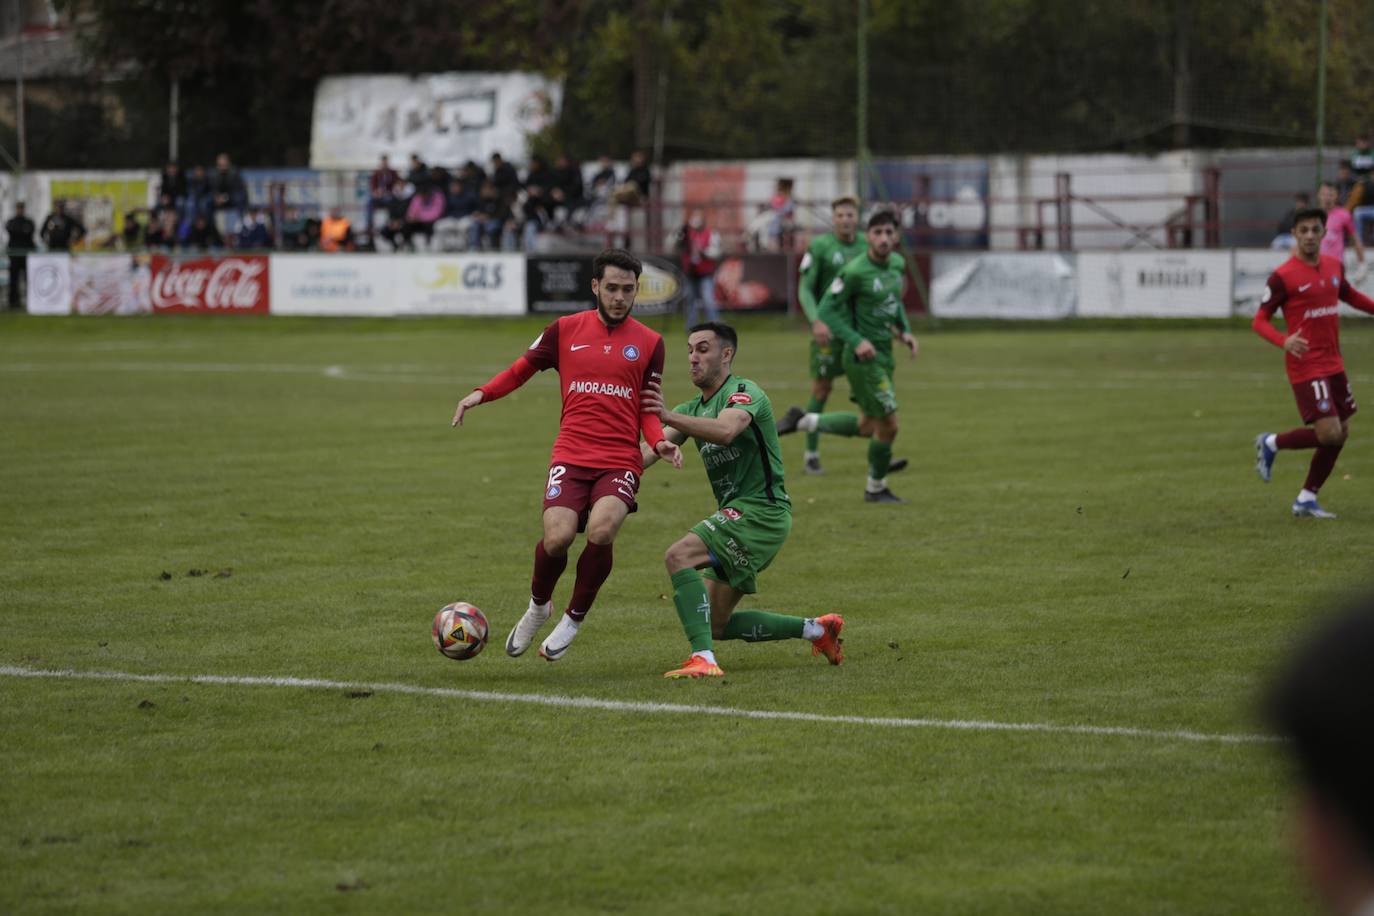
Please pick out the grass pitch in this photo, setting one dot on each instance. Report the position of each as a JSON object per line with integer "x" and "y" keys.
{"x": 1085, "y": 543}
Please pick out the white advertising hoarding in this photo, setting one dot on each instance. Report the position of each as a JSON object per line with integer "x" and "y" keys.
{"x": 50, "y": 284}
{"x": 446, "y": 118}
{"x": 1012, "y": 285}
{"x": 383, "y": 285}
{"x": 1154, "y": 284}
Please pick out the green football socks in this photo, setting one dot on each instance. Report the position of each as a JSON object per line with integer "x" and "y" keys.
{"x": 879, "y": 458}
{"x": 813, "y": 439}
{"x": 693, "y": 608}
{"x": 763, "y": 626}
{"x": 838, "y": 424}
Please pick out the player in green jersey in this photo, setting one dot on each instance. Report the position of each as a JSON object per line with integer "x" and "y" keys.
{"x": 822, "y": 262}
{"x": 863, "y": 309}
{"x": 732, "y": 423}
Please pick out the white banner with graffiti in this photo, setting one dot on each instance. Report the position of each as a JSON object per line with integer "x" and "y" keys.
{"x": 447, "y": 118}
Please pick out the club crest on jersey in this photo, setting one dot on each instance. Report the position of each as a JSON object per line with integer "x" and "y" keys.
{"x": 740, "y": 397}
{"x": 631, "y": 352}
{"x": 552, "y": 492}
{"x": 605, "y": 348}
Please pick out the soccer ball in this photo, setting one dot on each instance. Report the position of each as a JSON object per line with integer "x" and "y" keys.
{"x": 460, "y": 630}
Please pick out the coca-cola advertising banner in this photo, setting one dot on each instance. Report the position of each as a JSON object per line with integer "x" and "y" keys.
{"x": 217, "y": 284}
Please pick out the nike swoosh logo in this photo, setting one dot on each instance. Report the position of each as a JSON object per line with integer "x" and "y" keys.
{"x": 1301, "y": 289}
{"x": 576, "y": 347}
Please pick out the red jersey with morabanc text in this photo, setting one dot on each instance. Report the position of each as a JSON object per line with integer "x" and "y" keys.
{"x": 1309, "y": 297}
{"x": 601, "y": 371}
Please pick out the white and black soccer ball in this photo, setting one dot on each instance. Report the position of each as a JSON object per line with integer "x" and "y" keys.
{"x": 460, "y": 630}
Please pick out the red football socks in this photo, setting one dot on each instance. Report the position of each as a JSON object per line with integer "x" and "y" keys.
{"x": 547, "y": 569}
{"x": 592, "y": 569}
{"x": 1303, "y": 437}
{"x": 1320, "y": 468}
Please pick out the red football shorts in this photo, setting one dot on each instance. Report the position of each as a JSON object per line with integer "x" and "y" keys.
{"x": 578, "y": 488}
{"x": 1324, "y": 397}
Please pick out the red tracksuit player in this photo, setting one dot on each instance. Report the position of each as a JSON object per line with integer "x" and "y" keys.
{"x": 604, "y": 360}
{"x": 1307, "y": 287}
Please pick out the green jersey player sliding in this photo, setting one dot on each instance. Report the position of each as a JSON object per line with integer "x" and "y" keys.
{"x": 863, "y": 309}
{"x": 732, "y": 423}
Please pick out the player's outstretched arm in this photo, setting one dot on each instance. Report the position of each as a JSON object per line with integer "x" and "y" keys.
{"x": 720, "y": 430}
{"x": 1355, "y": 298}
{"x": 500, "y": 385}
{"x": 669, "y": 448}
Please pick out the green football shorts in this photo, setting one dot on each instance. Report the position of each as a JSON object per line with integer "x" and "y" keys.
{"x": 744, "y": 537}
{"x": 825, "y": 361}
{"x": 870, "y": 384}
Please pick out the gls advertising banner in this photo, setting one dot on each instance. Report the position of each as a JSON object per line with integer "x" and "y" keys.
{"x": 381, "y": 285}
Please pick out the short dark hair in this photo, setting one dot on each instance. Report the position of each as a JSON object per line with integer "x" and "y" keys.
{"x": 720, "y": 329}
{"x": 882, "y": 217}
{"x": 1309, "y": 213}
{"x": 844, "y": 202}
{"x": 616, "y": 257}
{"x": 1323, "y": 702}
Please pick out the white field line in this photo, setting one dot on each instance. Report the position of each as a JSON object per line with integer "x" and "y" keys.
{"x": 1031, "y": 379}
{"x": 625, "y": 706}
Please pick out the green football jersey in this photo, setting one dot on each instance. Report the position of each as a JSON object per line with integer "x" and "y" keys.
{"x": 750, "y": 467}
{"x": 823, "y": 259}
{"x": 865, "y": 300}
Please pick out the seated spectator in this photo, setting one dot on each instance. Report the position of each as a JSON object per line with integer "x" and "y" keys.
{"x": 504, "y": 178}
{"x": 536, "y": 213}
{"x": 604, "y": 180}
{"x": 203, "y": 235}
{"x": 473, "y": 175}
{"x": 1362, "y": 157}
{"x": 639, "y": 174}
{"x": 539, "y": 173}
{"x": 379, "y": 185}
{"x": 425, "y": 208}
{"x": 394, "y": 232}
{"x": 228, "y": 194}
{"x": 567, "y": 194}
{"x": 254, "y": 232}
{"x": 336, "y": 232}
{"x": 492, "y": 225}
{"x": 163, "y": 223}
{"x": 462, "y": 199}
{"x": 418, "y": 171}
{"x": 1283, "y": 232}
{"x": 439, "y": 176}
{"x": 1345, "y": 182}
{"x": 295, "y": 232}
{"x": 133, "y": 236}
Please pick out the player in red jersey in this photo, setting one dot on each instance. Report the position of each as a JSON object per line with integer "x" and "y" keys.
{"x": 604, "y": 360}
{"x": 1307, "y": 287}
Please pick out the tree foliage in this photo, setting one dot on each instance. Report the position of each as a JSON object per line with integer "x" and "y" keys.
{"x": 753, "y": 78}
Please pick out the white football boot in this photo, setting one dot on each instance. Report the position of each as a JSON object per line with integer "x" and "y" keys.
{"x": 557, "y": 642}
{"x": 522, "y": 635}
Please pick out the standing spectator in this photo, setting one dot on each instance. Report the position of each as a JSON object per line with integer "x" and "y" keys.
{"x": 568, "y": 194}
{"x": 336, "y": 232}
{"x": 379, "y": 185}
{"x": 172, "y": 181}
{"x": 698, "y": 246}
{"x": 19, "y": 231}
{"x": 418, "y": 171}
{"x": 61, "y": 231}
{"x": 228, "y": 194}
{"x": 197, "y": 198}
{"x": 1283, "y": 232}
{"x": 492, "y": 222}
{"x": 253, "y": 232}
{"x": 782, "y": 208}
{"x": 424, "y": 210}
{"x": 1338, "y": 225}
{"x": 1362, "y": 157}
{"x": 504, "y": 178}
